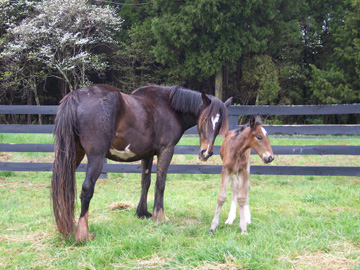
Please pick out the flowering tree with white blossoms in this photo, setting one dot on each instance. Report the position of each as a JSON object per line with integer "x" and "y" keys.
{"x": 61, "y": 39}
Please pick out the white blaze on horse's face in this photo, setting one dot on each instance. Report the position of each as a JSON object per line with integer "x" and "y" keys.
{"x": 215, "y": 120}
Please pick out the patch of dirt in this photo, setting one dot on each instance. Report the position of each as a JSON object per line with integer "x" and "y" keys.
{"x": 230, "y": 264}
{"x": 124, "y": 205}
{"x": 342, "y": 256}
{"x": 27, "y": 185}
{"x": 5, "y": 156}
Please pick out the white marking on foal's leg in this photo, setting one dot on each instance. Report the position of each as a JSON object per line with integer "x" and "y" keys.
{"x": 247, "y": 214}
{"x": 232, "y": 213}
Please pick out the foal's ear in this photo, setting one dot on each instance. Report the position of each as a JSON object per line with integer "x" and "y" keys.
{"x": 205, "y": 99}
{"x": 228, "y": 102}
{"x": 252, "y": 121}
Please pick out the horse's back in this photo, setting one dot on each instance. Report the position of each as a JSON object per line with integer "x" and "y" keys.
{"x": 97, "y": 113}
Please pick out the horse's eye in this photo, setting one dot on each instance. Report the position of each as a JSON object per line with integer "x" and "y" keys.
{"x": 258, "y": 137}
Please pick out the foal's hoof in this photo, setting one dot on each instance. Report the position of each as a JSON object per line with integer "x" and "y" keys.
{"x": 212, "y": 230}
{"x": 229, "y": 221}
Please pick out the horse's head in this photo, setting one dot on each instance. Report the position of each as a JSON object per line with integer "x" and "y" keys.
{"x": 259, "y": 140}
{"x": 212, "y": 121}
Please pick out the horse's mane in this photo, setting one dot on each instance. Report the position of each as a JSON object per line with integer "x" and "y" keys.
{"x": 185, "y": 100}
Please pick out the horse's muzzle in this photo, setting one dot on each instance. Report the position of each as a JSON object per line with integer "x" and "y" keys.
{"x": 204, "y": 155}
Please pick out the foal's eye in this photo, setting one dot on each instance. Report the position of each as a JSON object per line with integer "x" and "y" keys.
{"x": 258, "y": 137}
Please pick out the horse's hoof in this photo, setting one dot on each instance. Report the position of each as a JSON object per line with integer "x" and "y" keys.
{"x": 84, "y": 238}
{"x": 159, "y": 216}
{"x": 144, "y": 215}
{"x": 161, "y": 219}
{"x": 212, "y": 230}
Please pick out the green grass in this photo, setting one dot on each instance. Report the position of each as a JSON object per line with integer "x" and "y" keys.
{"x": 298, "y": 222}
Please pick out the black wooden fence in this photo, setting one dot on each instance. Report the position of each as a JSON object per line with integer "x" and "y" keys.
{"x": 234, "y": 113}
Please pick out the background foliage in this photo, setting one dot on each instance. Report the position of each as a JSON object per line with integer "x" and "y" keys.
{"x": 266, "y": 52}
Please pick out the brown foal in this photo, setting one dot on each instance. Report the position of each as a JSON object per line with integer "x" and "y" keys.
{"x": 235, "y": 154}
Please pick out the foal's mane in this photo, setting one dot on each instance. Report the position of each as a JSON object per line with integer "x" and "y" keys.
{"x": 257, "y": 120}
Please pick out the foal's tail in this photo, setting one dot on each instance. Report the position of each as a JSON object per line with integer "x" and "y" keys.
{"x": 63, "y": 184}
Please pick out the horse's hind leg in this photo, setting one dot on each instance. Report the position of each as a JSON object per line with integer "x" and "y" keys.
{"x": 146, "y": 165}
{"x": 221, "y": 199}
{"x": 93, "y": 170}
{"x": 164, "y": 159}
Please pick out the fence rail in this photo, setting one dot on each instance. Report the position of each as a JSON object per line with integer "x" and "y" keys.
{"x": 234, "y": 113}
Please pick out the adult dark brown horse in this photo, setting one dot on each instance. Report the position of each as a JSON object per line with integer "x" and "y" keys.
{"x": 99, "y": 121}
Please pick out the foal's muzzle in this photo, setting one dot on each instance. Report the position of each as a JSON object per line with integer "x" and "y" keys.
{"x": 204, "y": 155}
{"x": 268, "y": 159}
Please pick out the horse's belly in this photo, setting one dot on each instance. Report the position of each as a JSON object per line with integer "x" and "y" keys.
{"x": 126, "y": 154}
{"x": 122, "y": 154}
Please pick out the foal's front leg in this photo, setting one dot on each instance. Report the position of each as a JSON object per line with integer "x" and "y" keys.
{"x": 221, "y": 199}
{"x": 232, "y": 212}
{"x": 243, "y": 200}
{"x": 164, "y": 159}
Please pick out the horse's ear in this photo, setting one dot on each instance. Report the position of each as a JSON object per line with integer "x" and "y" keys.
{"x": 252, "y": 121}
{"x": 205, "y": 99}
{"x": 228, "y": 102}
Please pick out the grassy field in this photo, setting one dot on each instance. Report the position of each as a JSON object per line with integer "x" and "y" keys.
{"x": 298, "y": 222}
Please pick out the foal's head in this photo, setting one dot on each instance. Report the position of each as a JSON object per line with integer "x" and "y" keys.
{"x": 259, "y": 140}
{"x": 212, "y": 121}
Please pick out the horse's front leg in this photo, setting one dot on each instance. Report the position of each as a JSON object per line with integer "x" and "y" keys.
{"x": 221, "y": 199}
{"x": 93, "y": 170}
{"x": 146, "y": 165}
{"x": 164, "y": 159}
{"x": 242, "y": 198}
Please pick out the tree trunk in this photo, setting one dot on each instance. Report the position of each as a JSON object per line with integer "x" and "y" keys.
{"x": 29, "y": 102}
{"x": 37, "y": 99}
{"x": 219, "y": 84}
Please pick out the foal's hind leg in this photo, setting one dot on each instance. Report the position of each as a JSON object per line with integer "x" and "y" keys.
{"x": 146, "y": 165}
{"x": 93, "y": 170}
{"x": 247, "y": 207}
{"x": 221, "y": 199}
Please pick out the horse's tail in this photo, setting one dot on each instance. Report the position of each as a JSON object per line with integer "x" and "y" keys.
{"x": 63, "y": 184}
